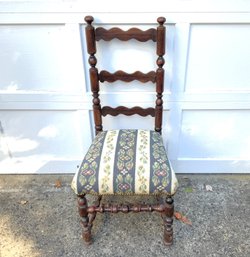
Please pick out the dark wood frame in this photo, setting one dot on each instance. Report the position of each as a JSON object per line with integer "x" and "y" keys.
{"x": 165, "y": 207}
{"x": 157, "y": 35}
{"x": 88, "y": 214}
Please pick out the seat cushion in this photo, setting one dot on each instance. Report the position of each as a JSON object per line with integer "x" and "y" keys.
{"x": 127, "y": 161}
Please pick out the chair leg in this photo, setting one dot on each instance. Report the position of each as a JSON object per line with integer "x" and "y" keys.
{"x": 167, "y": 216}
{"x": 83, "y": 211}
{"x": 92, "y": 215}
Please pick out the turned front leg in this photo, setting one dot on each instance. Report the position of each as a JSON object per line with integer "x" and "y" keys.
{"x": 167, "y": 216}
{"x": 92, "y": 215}
{"x": 86, "y": 228}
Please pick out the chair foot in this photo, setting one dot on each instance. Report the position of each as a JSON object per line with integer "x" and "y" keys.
{"x": 83, "y": 212}
{"x": 168, "y": 221}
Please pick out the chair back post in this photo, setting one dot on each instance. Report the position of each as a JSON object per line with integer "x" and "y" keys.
{"x": 160, "y": 51}
{"x": 93, "y": 72}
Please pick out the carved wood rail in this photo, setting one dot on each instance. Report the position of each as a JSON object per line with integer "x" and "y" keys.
{"x": 126, "y": 77}
{"x": 115, "y": 208}
{"x": 133, "y": 33}
{"x": 107, "y": 110}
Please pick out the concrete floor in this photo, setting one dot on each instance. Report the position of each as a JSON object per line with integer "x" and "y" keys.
{"x": 39, "y": 219}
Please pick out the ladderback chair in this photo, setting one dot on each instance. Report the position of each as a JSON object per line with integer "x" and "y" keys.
{"x": 126, "y": 161}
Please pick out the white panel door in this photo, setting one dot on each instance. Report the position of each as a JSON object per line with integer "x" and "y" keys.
{"x": 44, "y": 122}
{"x": 211, "y": 99}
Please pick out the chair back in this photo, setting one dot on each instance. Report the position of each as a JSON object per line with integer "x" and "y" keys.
{"x": 157, "y": 35}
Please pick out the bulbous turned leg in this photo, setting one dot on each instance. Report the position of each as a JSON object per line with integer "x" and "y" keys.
{"x": 168, "y": 221}
{"x": 83, "y": 211}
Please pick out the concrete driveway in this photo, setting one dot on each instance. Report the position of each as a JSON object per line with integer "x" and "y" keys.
{"x": 38, "y": 217}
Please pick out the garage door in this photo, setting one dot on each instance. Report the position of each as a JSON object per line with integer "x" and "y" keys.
{"x": 46, "y": 120}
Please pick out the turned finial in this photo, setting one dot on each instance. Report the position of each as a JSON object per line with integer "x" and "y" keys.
{"x": 161, "y": 20}
{"x": 89, "y": 19}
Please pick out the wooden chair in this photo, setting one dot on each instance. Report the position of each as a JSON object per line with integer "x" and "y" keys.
{"x": 127, "y": 161}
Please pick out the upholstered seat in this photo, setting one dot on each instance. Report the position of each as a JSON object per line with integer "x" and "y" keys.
{"x": 126, "y": 162}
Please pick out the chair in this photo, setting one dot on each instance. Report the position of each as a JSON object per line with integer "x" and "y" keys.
{"x": 126, "y": 161}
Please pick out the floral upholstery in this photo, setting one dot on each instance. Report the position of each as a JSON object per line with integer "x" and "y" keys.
{"x": 123, "y": 162}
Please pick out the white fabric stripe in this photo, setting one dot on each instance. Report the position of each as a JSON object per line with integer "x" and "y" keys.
{"x": 174, "y": 181}
{"x": 106, "y": 168}
{"x": 74, "y": 183}
{"x": 142, "y": 170}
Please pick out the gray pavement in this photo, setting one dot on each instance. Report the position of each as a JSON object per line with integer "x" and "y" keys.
{"x": 39, "y": 219}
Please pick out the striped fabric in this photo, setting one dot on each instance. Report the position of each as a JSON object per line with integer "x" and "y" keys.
{"x": 126, "y": 162}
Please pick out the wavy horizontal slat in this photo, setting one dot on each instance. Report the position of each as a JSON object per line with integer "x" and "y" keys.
{"x": 133, "y": 33}
{"x": 107, "y": 110}
{"x": 126, "y": 77}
